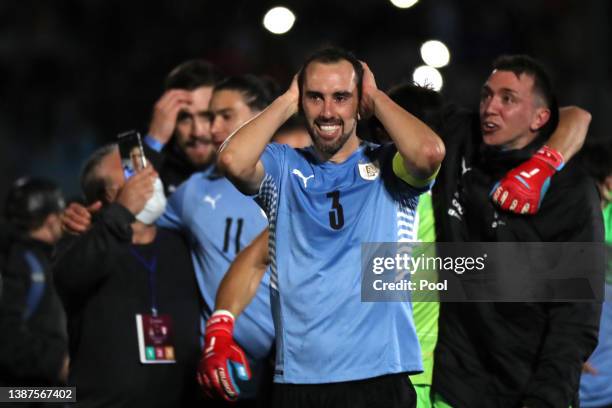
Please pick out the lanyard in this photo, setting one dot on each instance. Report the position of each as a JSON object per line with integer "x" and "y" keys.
{"x": 151, "y": 267}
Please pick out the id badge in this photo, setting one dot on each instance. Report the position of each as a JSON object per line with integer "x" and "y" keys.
{"x": 155, "y": 339}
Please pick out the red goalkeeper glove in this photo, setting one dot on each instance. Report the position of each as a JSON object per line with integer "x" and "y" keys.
{"x": 522, "y": 189}
{"x": 223, "y": 360}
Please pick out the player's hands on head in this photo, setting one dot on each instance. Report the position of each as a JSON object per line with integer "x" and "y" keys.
{"x": 76, "y": 218}
{"x": 368, "y": 92}
{"x": 137, "y": 190}
{"x": 292, "y": 95}
{"x": 165, "y": 113}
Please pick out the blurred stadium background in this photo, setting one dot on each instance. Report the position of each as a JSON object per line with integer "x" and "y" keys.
{"x": 74, "y": 73}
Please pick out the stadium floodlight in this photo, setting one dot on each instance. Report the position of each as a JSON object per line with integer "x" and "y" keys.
{"x": 428, "y": 76}
{"x": 279, "y": 20}
{"x": 404, "y": 4}
{"x": 435, "y": 53}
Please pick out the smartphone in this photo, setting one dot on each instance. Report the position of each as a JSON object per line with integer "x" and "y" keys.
{"x": 131, "y": 152}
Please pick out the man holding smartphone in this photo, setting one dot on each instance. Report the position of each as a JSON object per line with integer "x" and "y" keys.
{"x": 219, "y": 222}
{"x": 125, "y": 273}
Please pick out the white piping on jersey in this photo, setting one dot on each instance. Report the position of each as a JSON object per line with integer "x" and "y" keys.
{"x": 407, "y": 227}
{"x": 406, "y": 231}
{"x": 269, "y": 200}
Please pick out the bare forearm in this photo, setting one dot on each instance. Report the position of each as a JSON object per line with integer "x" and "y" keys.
{"x": 419, "y": 146}
{"x": 239, "y": 155}
{"x": 241, "y": 281}
{"x": 571, "y": 132}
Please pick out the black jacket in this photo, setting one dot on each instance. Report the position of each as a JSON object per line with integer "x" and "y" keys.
{"x": 511, "y": 354}
{"x": 33, "y": 338}
{"x": 103, "y": 285}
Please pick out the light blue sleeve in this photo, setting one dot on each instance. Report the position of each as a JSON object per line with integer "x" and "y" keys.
{"x": 153, "y": 143}
{"x": 273, "y": 159}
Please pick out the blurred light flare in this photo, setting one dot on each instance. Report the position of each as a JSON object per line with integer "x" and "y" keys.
{"x": 428, "y": 76}
{"x": 435, "y": 53}
{"x": 404, "y": 4}
{"x": 279, "y": 20}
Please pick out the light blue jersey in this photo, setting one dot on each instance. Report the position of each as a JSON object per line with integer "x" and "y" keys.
{"x": 320, "y": 213}
{"x": 220, "y": 221}
{"x": 596, "y": 390}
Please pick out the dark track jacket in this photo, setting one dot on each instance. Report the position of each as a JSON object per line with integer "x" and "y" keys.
{"x": 510, "y": 354}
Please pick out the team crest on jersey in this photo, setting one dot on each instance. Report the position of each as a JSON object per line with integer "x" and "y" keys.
{"x": 369, "y": 171}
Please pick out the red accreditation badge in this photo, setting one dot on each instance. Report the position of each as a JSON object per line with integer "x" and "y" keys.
{"x": 155, "y": 339}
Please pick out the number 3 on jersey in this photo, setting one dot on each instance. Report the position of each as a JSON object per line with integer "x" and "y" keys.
{"x": 336, "y": 215}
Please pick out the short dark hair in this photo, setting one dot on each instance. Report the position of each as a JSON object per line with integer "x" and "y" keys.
{"x": 193, "y": 74}
{"x": 294, "y": 123}
{"x": 257, "y": 92}
{"x": 331, "y": 55}
{"x": 92, "y": 184}
{"x": 30, "y": 201}
{"x": 422, "y": 101}
{"x": 542, "y": 85}
{"x": 597, "y": 159}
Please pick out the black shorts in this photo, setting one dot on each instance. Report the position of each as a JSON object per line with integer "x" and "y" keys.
{"x": 387, "y": 391}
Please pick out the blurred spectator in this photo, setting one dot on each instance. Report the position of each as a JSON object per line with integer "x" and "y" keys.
{"x": 120, "y": 272}
{"x": 220, "y": 221}
{"x": 180, "y": 126}
{"x": 596, "y": 381}
{"x": 33, "y": 340}
{"x": 293, "y": 133}
{"x": 421, "y": 101}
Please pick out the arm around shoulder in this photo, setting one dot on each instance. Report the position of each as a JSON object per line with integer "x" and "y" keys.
{"x": 571, "y": 131}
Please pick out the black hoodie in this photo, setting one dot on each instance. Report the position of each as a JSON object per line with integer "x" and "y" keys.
{"x": 510, "y": 354}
